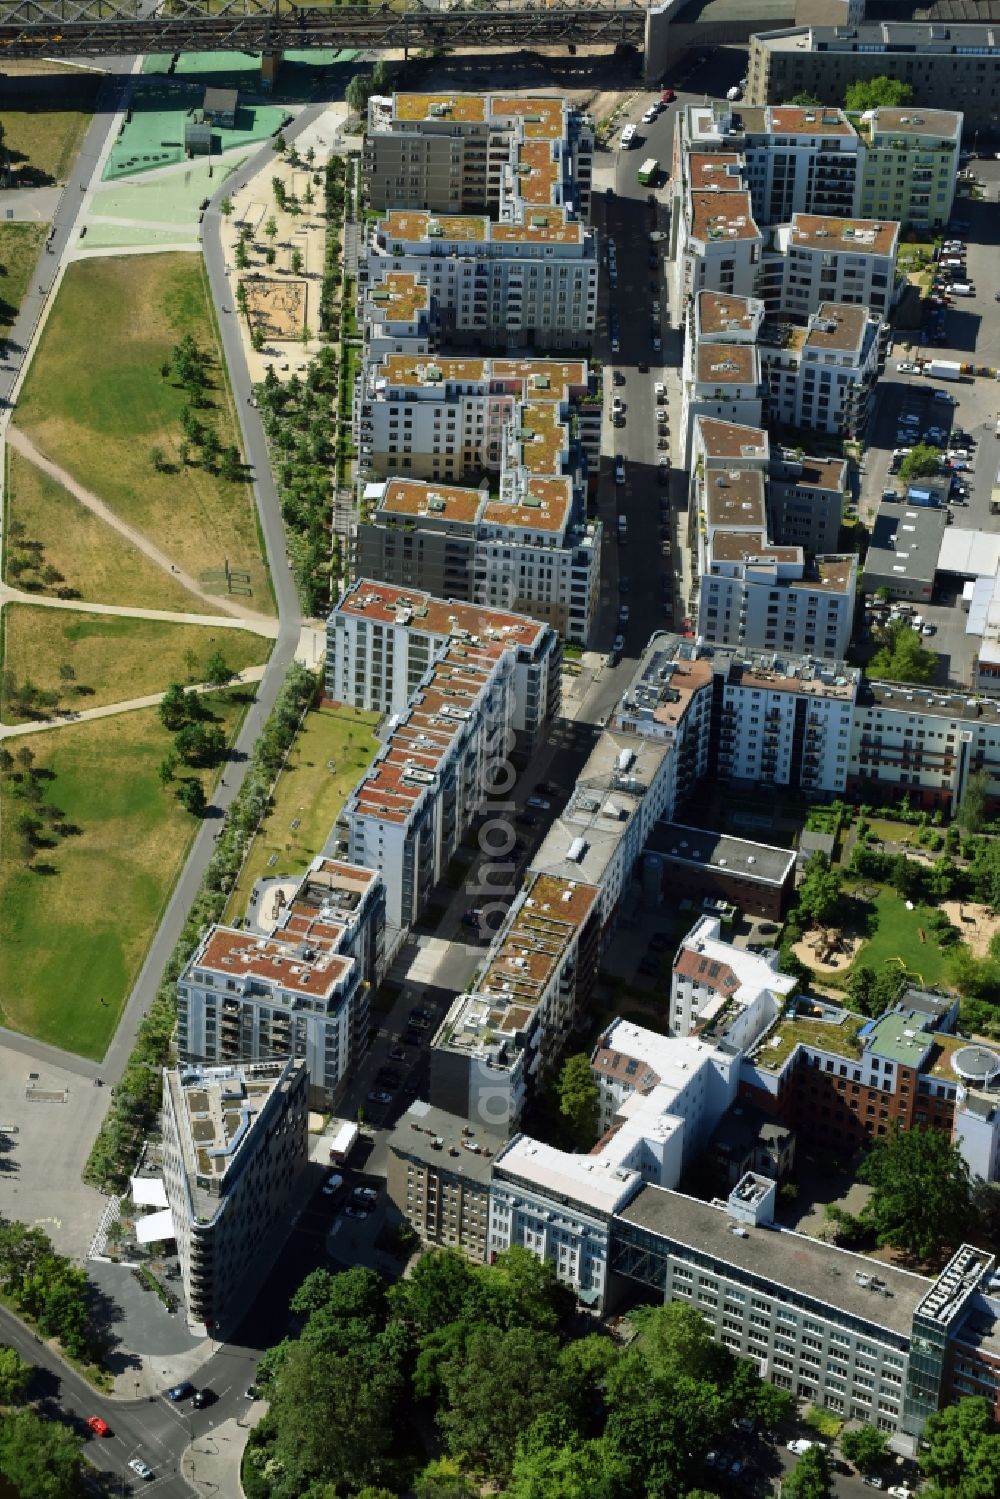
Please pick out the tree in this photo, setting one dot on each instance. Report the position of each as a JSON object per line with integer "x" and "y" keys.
{"x": 191, "y": 795}
{"x": 444, "y": 1479}
{"x": 922, "y": 462}
{"x": 296, "y": 262}
{"x": 15, "y": 1376}
{"x": 271, "y": 227}
{"x": 280, "y": 144}
{"x": 877, "y": 93}
{"x": 810, "y": 1478}
{"x": 200, "y": 744}
{"x": 241, "y": 257}
{"x": 972, "y": 808}
{"x": 865, "y": 1447}
{"x": 442, "y": 1289}
{"x": 963, "y": 1459}
{"x": 40, "y": 1458}
{"x": 579, "y": 1101}
{"x": 570, "y": 1469}
{"x": 256, "y": 338}
{"x": 359, "y": 91}
{"x": 211, "y": 447}
{"x": 67, "y": 672}
{"x": 158, "y": 459}
{"x": 821, "y": 891}
{"x": 230, "y": 464}
{"x": 226, "y": 207}
{"x": 806, "y": 101}
{"x": 872, "y": 992}
{"x": 504, "y": 1381}
{"x": 986, "y": 1204}
{"x": 920, "y": 1197}
{"x": 178, "y": 707}
{"x": 166, "y": 769}
{"x": 901, "y": 656}
{"x": 6, "y": 761}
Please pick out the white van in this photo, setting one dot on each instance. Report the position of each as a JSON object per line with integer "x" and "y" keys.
{"x": 627, "y": 137}
{"x": 962, "y": 289}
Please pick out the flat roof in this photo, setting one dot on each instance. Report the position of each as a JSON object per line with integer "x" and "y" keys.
{"x": 791, "y": 119}
{"x": 906, "y": 542}
{"x": 750, "y": 546}
{"x": 706, "y": 848}
{"x": 399, "y": 296}
{"x": 303, "y": 962}
{"x": 431, "y": 499}
{"x": 715, "y": 171}
{"x": 857, "y": 236}
{"x": 415, "y": 609}
{"x": 834, "y": 1277}
{"x": 736, "y": 497}
{"x": 717, "y": 313}
{"x": 915, "y": 120}
{"x": 730, "y": 440}
{"x": 726, "y": 364}
{"x": 884, "y": 36}
{"x": 446, "y": 1142}
{"x": 594, "y": 1181}
{"x": 810, "y": 473}
{"x": 837, "y": 326}
{"x": 538, "y": 173}
{"x": 464, "y": 107}
{"x": 717, "y": 965}
{"x": 722, "y": 216}
{"x": 645, "y": 1059}
{"x": 815, "y": 1024}
{"x": 545, "y": 505}
{"x": 537, "y": 378}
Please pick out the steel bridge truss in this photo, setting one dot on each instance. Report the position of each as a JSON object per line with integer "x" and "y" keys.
{"x": 97, "y": 28}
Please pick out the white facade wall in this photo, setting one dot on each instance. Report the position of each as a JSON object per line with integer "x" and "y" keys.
{"x": 758, "y": 728}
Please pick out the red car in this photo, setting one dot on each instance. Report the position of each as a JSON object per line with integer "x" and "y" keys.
{"x": 668, "y": 96}
{"x": 98, "y": 1427}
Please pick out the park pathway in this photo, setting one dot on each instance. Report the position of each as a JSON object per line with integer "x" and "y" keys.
{"x": 109, "y": 710}
{"x": 21, "y": 443}
{"x": 259, "y": 625}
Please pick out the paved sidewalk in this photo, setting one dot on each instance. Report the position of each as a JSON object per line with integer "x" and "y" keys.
{"x": 261, "y": 625}
{"x": 212, "y": 1463}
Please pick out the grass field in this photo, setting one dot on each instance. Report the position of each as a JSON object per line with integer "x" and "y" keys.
{"x": 308, "y": 790}
{"x": 20, "y": 245}
{"x": 47, "y": 527}
{"x": 897, "y": 941}
{"x": 72, "y": 939}
{"x": 112, "y": 657}
{"x": 44, "y": 142}
{"x": 96, "y": 402}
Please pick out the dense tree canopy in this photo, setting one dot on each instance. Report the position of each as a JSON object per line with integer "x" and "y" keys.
{"x": 963, "y": 1460}
{"x": 920, "y": 1196}
{"x": 901, "y": 656}
{"x": 40, "y": 1458}
{"x": 810, "y": 1478}
{"x": 821, "y": 891}
{"x": 865, "y": 1447}
{"x": 877, "y": 93}
{"x": 579, "y": 1101}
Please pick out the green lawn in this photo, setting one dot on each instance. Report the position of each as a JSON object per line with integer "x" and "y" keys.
{"x": 20, "y": 245}
{"x": 75, "y": 927}
{"x": 309, "y": 792}
{"x": 111, "y": 656}
{"x": 897, "y": 941}
{"x": 43, "y": 142}
{"x": 52, "y": 542}
{"x": 96, "y": 402}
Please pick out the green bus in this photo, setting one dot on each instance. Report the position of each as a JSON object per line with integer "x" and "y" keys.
{"x": 649, "y": 171}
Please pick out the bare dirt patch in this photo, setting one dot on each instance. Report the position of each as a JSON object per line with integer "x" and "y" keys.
{"x": 977, "y": 924}
{"x": 277, "y": 308}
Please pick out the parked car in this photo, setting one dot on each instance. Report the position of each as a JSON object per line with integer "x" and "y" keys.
{"x": 397, "y": 1053}
{"x": 181, "y": 1391}
{"x": 618, "y": 645}
{"x": 139, "y": 1468}
{"x": 538, "y": 804}
{"x": 366, "y": 1195}
{"x": 619, "y": 470}
{"x": 379, "y": 1095}
{"x": 333, "y": 1183}
{"x": 203, "y": 1398}
{"x": 99, "y": 1427}
{"x": 623, "y": 614}
{"x": 354, "y": 1210}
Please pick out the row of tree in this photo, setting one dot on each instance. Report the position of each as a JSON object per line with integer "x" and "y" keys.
{"x": 479, "y": 1365}
{"x": 48, "y": 1288}
{"x": 136, "y": 1096}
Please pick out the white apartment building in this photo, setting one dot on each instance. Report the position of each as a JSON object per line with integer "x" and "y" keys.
{"x": 298, "y": 987}
{"x": 821, "y": 376}
{"x": 412, "y": 808}
{"x": 527, "y": 282}
{"x": 521, "y": 542}
{"x": 399, "y": 316}
{"x": 624, "y": 789}
{"x": 715, "y": 986}
{"x": 786, "y": 721}
{"x": 720, "y": 380}
{"x": 559, "y": 1206}
{"x": 381, "y": 641}
{"x": 819, "y": 258}
{"x": 234, "y": 1145}
{"x": 514, "y": 1021}
{"x": 910, "y": 164}
{"x": 717, "y": 245}
{"x": 751, "y": 592}
{"x": 464, "y": 153}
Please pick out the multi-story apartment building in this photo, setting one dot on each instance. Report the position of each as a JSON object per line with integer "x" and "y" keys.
{"x": 502, "y": 1035}
{"x": 720, "y": 380}
{"x": 940, "y": 61}
{"x": 626, "y": 786}
{"x": 469, "y": 153}
{"x": 234, "y": 1145}
{"x": 400, "y": 316}
{"x": 415, "y": 803}
{"x": 910, "y": 165}
{"x": 717, "y": 987}
{"x": 529, "y": 281}
{"x": 717, "y": 244}
{"x": 749, "y": 591}
{"x": 381, "y": 641}
{"x": 821, "y": 376}
{"x": 805, "y": 500}
{"x": 438, "y": 1177}
{"x": 298, "y": 988}
{"x": 522, "y": 543}
{"x": 818, "y": 259}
